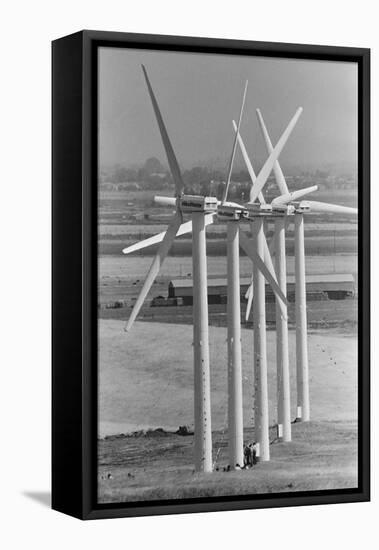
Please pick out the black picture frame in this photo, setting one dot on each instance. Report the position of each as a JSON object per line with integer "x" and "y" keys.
{"x": 74, "y": 272}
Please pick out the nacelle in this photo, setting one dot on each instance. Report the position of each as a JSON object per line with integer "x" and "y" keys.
{"x": 256, "y": 209}
{"x": 303, "y": 207}
{"x": 196, "y": 203}
{"x": 286, "y": 209}
{"x": 231, "y": 211}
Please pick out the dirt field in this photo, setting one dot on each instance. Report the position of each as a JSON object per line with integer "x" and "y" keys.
{"x": 146, "y": 376}
{"x": 322, "y": 455}
{"x": 140, "y": 389}
{"x": 132, "y": 267}
{"x": 320, "y": 314}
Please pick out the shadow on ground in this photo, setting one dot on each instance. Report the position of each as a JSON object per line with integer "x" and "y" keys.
{"x": 42, "y": 497}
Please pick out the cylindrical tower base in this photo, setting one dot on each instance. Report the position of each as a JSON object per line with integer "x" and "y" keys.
{"x": 282, "y": 358}
{"x": 235, "y": 412}
{"x": 261, "y": 420}
{"x": 303, "y": 409}
{"x": 203, "y": 431}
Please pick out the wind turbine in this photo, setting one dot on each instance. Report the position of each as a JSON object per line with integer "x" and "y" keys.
{"x": 263, "y": 265}
{"x": 256, "y": 216}
{"x": 233, "y": 213}
{"x": 288, "y": 202}
{"x": 225, "y": 210}
{"x": 263, "y": 211}
{"x": 235, "y": 404}
{"x": 201, "y": 210}
{"x": 289, "y": 199}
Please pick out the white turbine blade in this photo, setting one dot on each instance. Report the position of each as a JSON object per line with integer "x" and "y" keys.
{"x": 269, "y": 252}
{"x": 270, "y": 265}
{"x": 271, "y": 246}
{"x": 225, "y": 194}
{"x": 267, "y": 256}
{"x": 316, "y": 206}
{"x": 183, "y": 229}
{"x": 288, "y": 220}
{"x": 246, "y": 158}
{"x": 250, "y": 292}
{"x": 145, "y": 243}
{"x": 249, "y": 166}
{"x": 172, "y": 161}
{"x": 274, "y": 155}
{"x": 270, "y": 277}
{"x": 247, "y": 293}
{"x": 268, "y": 261}
{"x": 289, "y": 197}
{"x": 279, "y": 176}
{"x": 166, "y": 201}
{"x": 154, "y": 268}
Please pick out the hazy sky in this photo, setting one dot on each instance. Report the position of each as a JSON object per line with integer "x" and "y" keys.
{"x": 200, "y": 94}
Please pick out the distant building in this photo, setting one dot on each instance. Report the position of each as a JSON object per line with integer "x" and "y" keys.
{"x": 336, "y": 286}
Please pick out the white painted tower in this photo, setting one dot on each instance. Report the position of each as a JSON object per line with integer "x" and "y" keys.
{"x": 261, "y": 414}
{"x": 282, "y": 358}
{"x": 302, "y": 376}
{"x": 202, "y": 390}
{"x": 235, "y": 409}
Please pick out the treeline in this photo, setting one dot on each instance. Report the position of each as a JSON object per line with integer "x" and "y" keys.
{"x": 204, "y": 181}
{"x": 197, "y": 181}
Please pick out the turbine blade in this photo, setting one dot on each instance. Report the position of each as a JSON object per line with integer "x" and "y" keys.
{"x": 166, "y": 201}
{"x": 273, "y": 157}
{"x": 270, "y": 277}
{"x": 183, "y": 229}
{"x": 146, "y": 242}
{"x": 250, "y": 292}
{"x": 249, "y": 166}
{"x": 271, "y": 246}
{"x": 172, "y": 161}
{"x": 332, "y": 208}
{"x": 269, "y": 252}
{"x": 268, "y": 261}
{"x": 288, "y": 197}
{"x": 225, "y": 194}
{"x": 154, "y": 268}
{"x": 267, "y": 256}
{"x": 279, "y": 176}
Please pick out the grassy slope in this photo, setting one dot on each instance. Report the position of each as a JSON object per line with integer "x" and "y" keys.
{"x": 322, "y": 455}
